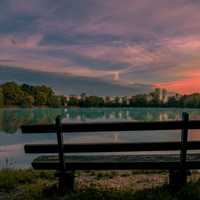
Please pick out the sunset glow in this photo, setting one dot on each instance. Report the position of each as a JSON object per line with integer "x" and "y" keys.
{"x": 182, "y": 86}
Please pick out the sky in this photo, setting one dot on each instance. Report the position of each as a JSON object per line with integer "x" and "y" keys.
{"x": 153, "y": 42}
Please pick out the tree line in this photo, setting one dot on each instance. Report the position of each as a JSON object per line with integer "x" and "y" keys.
{"x": 153, "y": 99}
{"x": 13, "y": 94}
{"x": 24, "y": 95}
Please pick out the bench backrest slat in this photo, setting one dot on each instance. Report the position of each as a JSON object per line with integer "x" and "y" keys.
{"x": 112, "y": 126}
{"x": 109, "y": 147}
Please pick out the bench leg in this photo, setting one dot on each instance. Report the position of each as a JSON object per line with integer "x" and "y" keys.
{"x": 66, "y": 182}
{"x": 177, "y": 178}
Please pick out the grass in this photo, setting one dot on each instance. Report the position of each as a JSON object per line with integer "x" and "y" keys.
{"x": 40, "y": 185}
{"x": 11, "y": 179}
{"x": 105, "y": 175}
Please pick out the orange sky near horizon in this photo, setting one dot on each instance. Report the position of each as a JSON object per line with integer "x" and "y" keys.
{"x": 185, "y": 86}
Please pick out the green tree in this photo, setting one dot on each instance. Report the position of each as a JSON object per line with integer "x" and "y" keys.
{"x": 40, "y": 98}
{"x": 63, "y": 100}
{"x": 125, "y": 101}
{"x": 117, "y": 102}
{"x": 192, "y": 101}
{"x": 156, "y": 100}
{"x": 42, "y": 94}
{"x": 139, "y": 100}
{"x": 173, "y": 102}
{"x": 27, "y": 101}
{"x": 27, "y": 89}
{"x": 1, "y": 97}
{"x": 73, "y": 101}
{"x": 93, "y": 101}
{"x": 54, "y": 101}
{"x": 12, "y": 93}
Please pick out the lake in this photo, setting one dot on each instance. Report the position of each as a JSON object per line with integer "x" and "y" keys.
{"x": 12, "y": 140}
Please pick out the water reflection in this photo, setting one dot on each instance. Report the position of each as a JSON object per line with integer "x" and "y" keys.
{"x": 12, "y": 119}
{"x": 12, "y": 141}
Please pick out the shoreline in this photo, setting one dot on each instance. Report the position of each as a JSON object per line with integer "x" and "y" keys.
{"x": 98, "y": 107}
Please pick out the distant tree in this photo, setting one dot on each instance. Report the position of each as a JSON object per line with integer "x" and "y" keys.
{"x": 44, "y": 89}
{"x": 12, "y": 93}
{"x": 192, "y": 101}
{"x": 156, "y": 101}
{"x": 40, "y": 98}
{"x": 125, "y": 101}
{"x": 27, "y": 101}
{"x": 73, "y": 101}
{"x": 116, "y": 102}
{"x": 139, "y": 100}
{"x": 63, "y": 100}
{"x": 1, "y": 97}
{"x": 42, "y": 94}
{"x": 173, "y": 102}
{"x": 83, "y": 96}
{"x": 93, "y": 101}
{"x": 27, "y": 89}
{"x": 107, "y": 101}
{"x": 54, "y": 101}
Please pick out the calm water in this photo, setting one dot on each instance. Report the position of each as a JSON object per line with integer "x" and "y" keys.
{"x": 12, "y": 140}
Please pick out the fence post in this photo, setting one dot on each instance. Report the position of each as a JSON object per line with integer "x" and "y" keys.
{"x": 66, "y": 179}
{"x": 183, "y": 154}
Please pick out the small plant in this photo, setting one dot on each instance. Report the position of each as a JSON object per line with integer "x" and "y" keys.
{"x": 10, "y": 179}
{"x": 104, "y": 175}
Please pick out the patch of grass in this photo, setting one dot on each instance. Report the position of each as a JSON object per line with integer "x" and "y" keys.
{"x": 159, "y": 193}
{"x": 125, "y": 174}
{"x": 91, "y": 173}
{"x": 10, "y": 179}
{"x": 133, "y": 172}
{"x": 77, "y": 173}
{"x": 39, "y": 185}
{"x": 190, "y": 191}
{"x": 105, "y": 175}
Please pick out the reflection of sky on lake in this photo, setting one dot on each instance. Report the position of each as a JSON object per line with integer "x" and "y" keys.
{"x": 12, "y": 141}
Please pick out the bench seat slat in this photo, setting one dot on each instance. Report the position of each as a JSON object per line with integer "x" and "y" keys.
{"x": 103, "y": 162}
{"x": 109, "y": 147}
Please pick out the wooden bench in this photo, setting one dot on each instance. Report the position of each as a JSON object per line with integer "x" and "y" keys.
{"x": 177, "y": 164}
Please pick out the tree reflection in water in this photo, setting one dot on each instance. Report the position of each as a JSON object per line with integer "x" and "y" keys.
{"x": 12, "y": 118}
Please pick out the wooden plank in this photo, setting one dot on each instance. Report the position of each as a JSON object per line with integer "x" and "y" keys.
{"x": 60, "y": 143}
{"x": 183, "y": 154}
{"x": 40, "y": 128}
{"x": 111, "y": 126}
{"x": 109, "y": 147}
{"x": 104, "y": 162}
{"x": 107, "y": 166}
